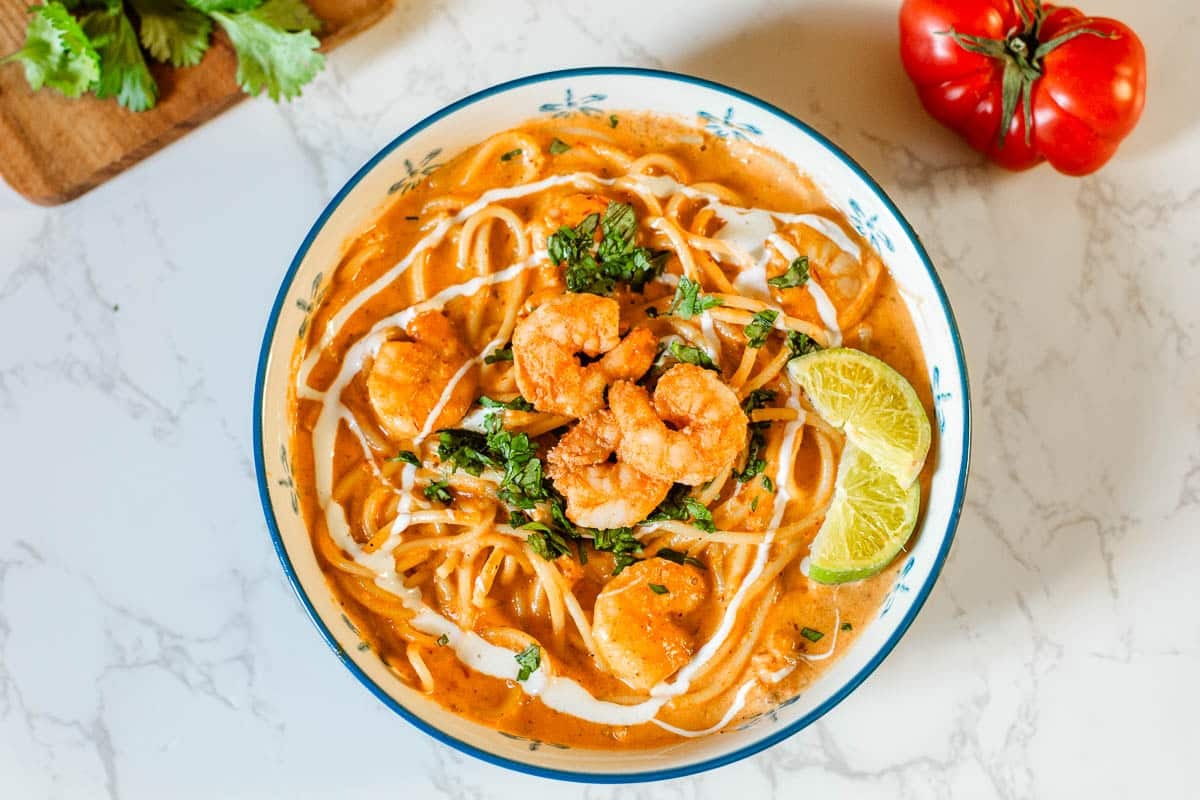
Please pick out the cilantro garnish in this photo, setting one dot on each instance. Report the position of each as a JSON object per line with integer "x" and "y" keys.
{"x": 681, "y": 506}
{"x": 846, "y": 626}
{"x": 597, "y": 268}
{"x": 689, "y": 354}
{"x": 443, "y": 640}
{"x": 658, "y": 588}
{"x": 796, "y": 275}
{"x": 757, "y": 399}
{"x": 755, "y": 463}
{"x": 811, "y": 634}
{"x": 621, "y": 543}
{"x": 502, "y": 354}
{"x": 760, "y": 327}
{"x": 439, "y": 491}
{"x": 465, "y": 450}
{"x": 528, "y": 660}
{"x": 680, "y": 558}
{"x": 688, "y": 301}
{"x": 518, "y": 403}
{"x": 612, "y": 120}
{"x": 801, "y": 344}
{"x": 558, "y": 146}
{"x": 408, "y": 457}
{"x": 768, "y": 484}
{"x": 511, "y": 154}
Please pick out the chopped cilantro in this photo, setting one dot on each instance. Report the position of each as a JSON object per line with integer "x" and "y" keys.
{"x": 518, "y": 403}
{"x": 688, "y": 301}
{"x": 801, "y": 344}
{"x": 545, "y": 541}
{"x": 796, "y": 275}
{"x": 755, "y": 463}
{"x": 681, "y": 506}
{"x": 621, "y": 543}
{"x": 846, "y": 626}
{"x": 612, "y": 120}
{"x": 502, "y": 354}
{"x": 680, "y": 558}
{"x": 757, "y": 399}
{"x": 768, "y": 484}
{"x": 658, "y": 588}
{"x": 408, "y": 457}
{"x": 689, "y": 354}
{"x": 439, "y": 491}
{"x": 558, "y": 146}
{"x": 443, "y": 640}
{"x": 528, "y": 660}
{"x": 811, "y": 634}
{"x": 465, "y": 450}
{"x": 597, "y": 268}
{"x": 511, "y": 154}
{"x": 760, "y": 327}
{"x": 754, "y": 504}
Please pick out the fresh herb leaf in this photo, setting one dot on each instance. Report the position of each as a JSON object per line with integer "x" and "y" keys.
{"x": 443, "y": 640}
{"x": 288, "y": 15}
{"x": 503, "y": 354}
{"x": 755, "y": 463}
{"x": 518, "y": 403}
{"x": 796, "y": 275}
{"x": 270, "y": 58}
{"x": 677, "y": 557}
{"x": 689, "y": 354}
{"x": 768, "y": 484}
{"x": 172, "y": 31}
{"x": 57, "y": 53}
{"x": 439, "y": 491}
{"x": 801, "y": 344}
{"x": 621, "y": 542}
{"x": 528, "y": 660}
{"x": 688, "y": 301}
{"x": 759, "y": 398}
{"x": 511, "y": 154}
{"x": 517, "y": 518}
{"x": 658, "y": 588}
{"x": 465, "y": 450}
{"x": 811, "y": 634}
{"x": 408, "y": 457}
{"x": 612, "y": 120}
{"x": 597, "y": 268}
{"x": 558, "y": 146}
{"x": 681, "y": 506}
{"x": 545, "y": 541}
{"x": 123, "y": 71}
{"x": 760, "y": 327}
{"x": 846, "y": 626}
{"x": 754, "y": 504}
{"x": 232, "y": 6}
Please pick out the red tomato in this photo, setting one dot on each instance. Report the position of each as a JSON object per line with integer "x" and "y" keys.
{"x": 1023, "y": 82}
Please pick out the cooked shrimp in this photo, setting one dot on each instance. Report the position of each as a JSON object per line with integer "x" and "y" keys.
{"x": 408, "y": 378}
{"x": 547, "y": 344}
{"x": 601, "y": 493}
{"x": 643, "y": 635}
{"x": 707, "y": 425}
{"x": 566, "y": 211}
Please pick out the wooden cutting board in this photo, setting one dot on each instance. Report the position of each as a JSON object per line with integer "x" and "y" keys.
{"x": 53, "y": 149}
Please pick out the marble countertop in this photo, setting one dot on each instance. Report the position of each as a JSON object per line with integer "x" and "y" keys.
{"x": 150, "y": 646}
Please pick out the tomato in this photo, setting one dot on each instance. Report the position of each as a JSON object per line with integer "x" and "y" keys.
{"x": 1023, "y": 82}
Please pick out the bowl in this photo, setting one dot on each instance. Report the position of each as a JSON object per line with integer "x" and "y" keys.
{"x": 725, "y": 112}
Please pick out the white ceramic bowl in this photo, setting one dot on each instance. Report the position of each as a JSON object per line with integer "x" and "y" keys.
{"x": 727, "y": 113}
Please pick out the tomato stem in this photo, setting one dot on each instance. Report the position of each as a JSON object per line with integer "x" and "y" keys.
{"x": 1021, "y": 53}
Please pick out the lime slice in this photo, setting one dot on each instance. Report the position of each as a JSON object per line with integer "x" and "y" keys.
{"x": 869, "y": 520}
{"x": 876, "y": 407}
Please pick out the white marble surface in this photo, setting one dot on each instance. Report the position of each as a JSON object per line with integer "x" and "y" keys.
{"x": 150, "y": 647}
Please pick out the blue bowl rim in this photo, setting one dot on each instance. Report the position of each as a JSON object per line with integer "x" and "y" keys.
{"x": 649, "y": 775}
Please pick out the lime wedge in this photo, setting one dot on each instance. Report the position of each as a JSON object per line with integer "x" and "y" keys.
{"x": 869, "y": 520}
{"x": 874, "y": 405}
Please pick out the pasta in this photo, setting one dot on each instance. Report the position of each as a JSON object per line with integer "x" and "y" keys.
{"x": 546, "y": 444}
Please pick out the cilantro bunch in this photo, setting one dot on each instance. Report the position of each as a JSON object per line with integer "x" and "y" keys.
{"x": 104, "y": 49}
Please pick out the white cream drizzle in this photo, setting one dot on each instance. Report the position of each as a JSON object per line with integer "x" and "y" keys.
{"x": 557, "y": 692}
{"x": 825, "y": 309}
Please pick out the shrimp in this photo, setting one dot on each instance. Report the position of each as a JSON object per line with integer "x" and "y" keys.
{"x": 643, "y": 635}
{"x": 600, "y": 493}
{"x": 546, "y": 345}
{"x": 708, "y": 426}
{"x": 409, "y": 378}
{"x": 568, "y": 212}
